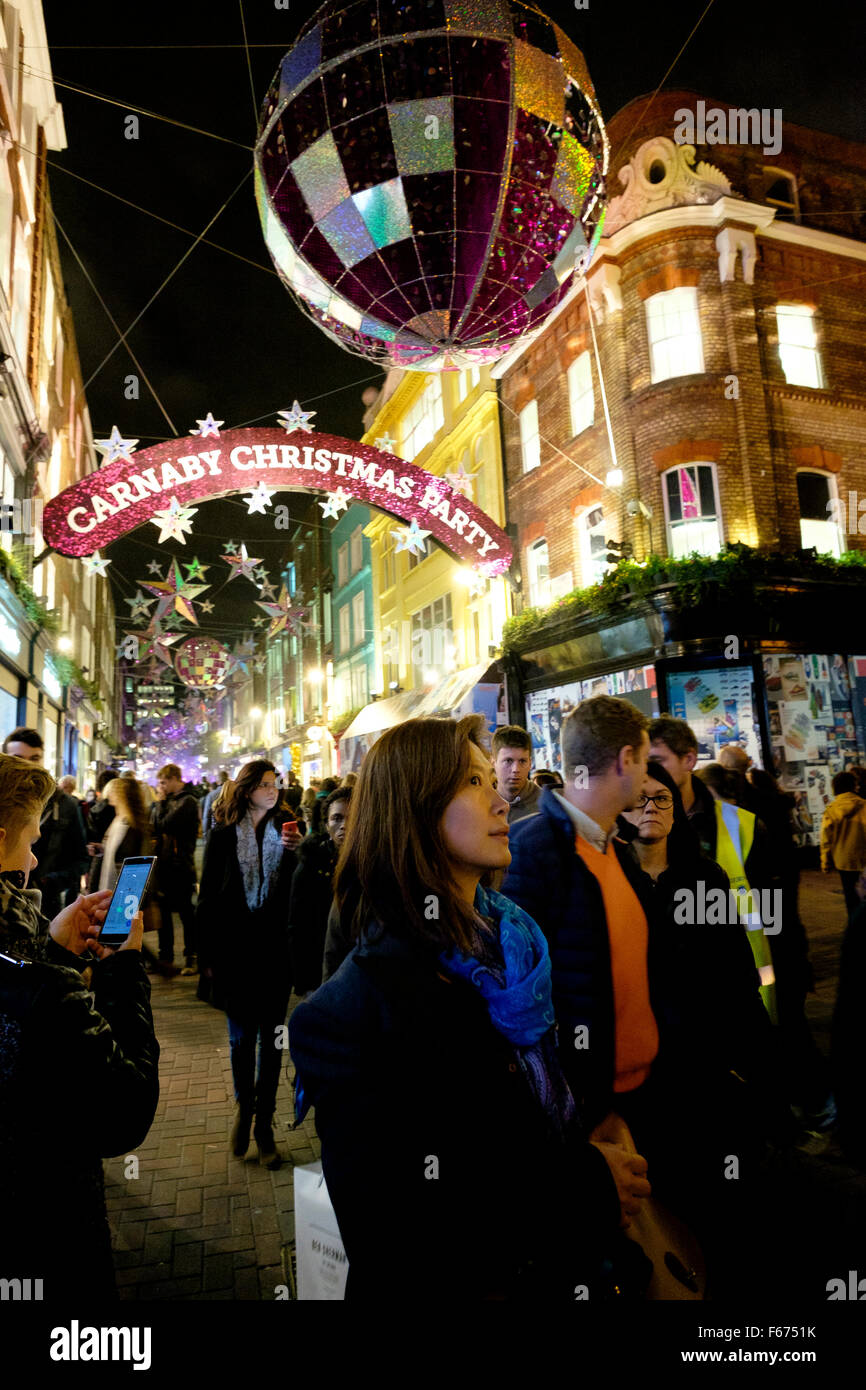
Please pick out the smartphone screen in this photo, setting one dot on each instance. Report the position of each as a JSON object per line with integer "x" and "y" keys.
{"x": 125, "y": 903}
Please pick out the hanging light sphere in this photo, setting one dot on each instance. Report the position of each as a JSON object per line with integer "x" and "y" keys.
{"x": 201, "y": 662}
{"x": 430, "y": 176}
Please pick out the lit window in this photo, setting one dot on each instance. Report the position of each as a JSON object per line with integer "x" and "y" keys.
{"x": 423, "y": 420}
{"x": 674, "y": 331}
{"x": 433, "y": 638}
{"x": 780, "y": 191}
{"x": 359, "y": 622}
{"x": 593, "y": 547}
{"x": 474, "y": 377}
{"x": 538, "y": 562}
{"x": 798, "y": 345}
{"x": 580, "y": 393}
{"x": 530, "y": 444}
{"x": 462, "y": 386}
{"x": 356, "y": 557}
{"x": 343, "y": 564}
{"x": 819, "y": 514}
{"x": 345, "y": 637}
{"x": 692, "y": 511}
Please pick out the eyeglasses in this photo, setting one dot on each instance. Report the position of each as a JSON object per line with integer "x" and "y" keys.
{"x": 663, "y": 800}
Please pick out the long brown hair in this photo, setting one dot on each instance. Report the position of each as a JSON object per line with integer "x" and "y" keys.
{"x": 131, "y": 797}
{"x": 247, "y": 781}
{"x": 394, "y": 867}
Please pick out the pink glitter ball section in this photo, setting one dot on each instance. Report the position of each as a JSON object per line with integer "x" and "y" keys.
{"x": 201, "y": 662}
{"x": 430, "y": 176}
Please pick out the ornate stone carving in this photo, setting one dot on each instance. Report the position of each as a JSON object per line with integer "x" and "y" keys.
{"x": 731, "y": 242}
{"x": 604, "y": 292}
{"x": 660, "y": 175}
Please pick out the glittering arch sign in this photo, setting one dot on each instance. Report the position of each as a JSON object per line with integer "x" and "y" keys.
{"x": 126, "y": 494}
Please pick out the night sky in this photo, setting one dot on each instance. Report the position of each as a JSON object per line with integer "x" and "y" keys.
{"x": 224, "y": 335}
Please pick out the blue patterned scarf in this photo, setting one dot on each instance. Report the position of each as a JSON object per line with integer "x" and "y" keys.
{"x": 515, "y": 983}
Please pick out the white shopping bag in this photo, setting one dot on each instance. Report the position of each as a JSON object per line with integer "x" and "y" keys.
{"x": 321, "y": 1259}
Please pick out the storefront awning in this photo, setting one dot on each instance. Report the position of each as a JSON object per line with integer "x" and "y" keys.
{"x": 441, "y": 699}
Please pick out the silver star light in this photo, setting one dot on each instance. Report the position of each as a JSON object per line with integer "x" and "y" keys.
{"x": 208, "y": 426}
{"x": 173, "y": 521}
{"x": 95, "y": 564}
{"x": 411, "y": 538}
{"x": 259, "y": 499}
{"x": 115, "y": 447}
{"x": 336, "y": 502}
{"x": 296, "y": 419}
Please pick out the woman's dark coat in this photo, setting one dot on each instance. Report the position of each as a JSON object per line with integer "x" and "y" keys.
{"x": 446, "y": 1180}
{"x": 311, "y": 898}
{"x": 78, "y": 1082}
{"x": 248, "y": 952}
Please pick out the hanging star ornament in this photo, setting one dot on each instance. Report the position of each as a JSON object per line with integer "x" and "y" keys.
{"x": 154, "y": 567}
{"x": 231, "y": 547}
{"x": 195, "y": 569}
{"x": 296, "y": 419}
{"x": 262, "y": 575}
{"x": 336, "y": 502}
{"x": 139, "y": 603}
{"x": 206, "y": 606}
{"x": 115, "y": 447}
{"x": 386, "y": 443}
{"x": 461, "y": 481}
{"x": 259, "y": 499}
{"x": 173, "y": 521}
{"x": 95, "y": 564}
{"x": 208, "y": 426}
{"x": 285, "y": 613}
{"x": 411, "y": 538}
{"x": 175, "y": 594}
{"x": 242, "y": 564}
{"x": 155, "y": 643}
{"x": 267, "y": 590}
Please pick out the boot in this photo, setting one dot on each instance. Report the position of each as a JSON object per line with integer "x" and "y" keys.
{"x": 190, "y": 966}
{"x": 240, "y": 1136}
{"x": 264, "y": 1137}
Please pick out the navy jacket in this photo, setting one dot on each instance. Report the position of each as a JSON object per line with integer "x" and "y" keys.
{"x": 550, "y": 881}
{"x": 447, "y": 1182}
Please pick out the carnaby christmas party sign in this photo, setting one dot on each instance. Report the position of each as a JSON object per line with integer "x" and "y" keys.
{"x": 159, "y": 485}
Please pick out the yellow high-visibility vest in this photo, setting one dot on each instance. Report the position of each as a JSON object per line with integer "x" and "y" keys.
{"x": 732, "y": 858}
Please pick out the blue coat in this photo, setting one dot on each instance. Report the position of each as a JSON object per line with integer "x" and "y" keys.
{"x": 447, "y": 1181}
{"x": 550, "y": 881}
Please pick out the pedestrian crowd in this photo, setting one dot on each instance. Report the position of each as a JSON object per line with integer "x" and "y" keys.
{"x": 552, "y": 1026}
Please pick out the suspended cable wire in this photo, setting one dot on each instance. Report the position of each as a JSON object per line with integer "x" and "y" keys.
{"x": 249, "y": 63}
{"x": 187, "y": 253}
{"x": 646, "y": 109}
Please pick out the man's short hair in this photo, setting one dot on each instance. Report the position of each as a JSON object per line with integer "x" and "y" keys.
{"x": 170, "y": 770}
{"x": 28, "y": 736}
{"x": 24, "y": 790}
{"x": 594, "y": 733}
{"x": 512, "y": 736}
{"x": 676, "y": 734}
{"x": 720, "y": 780}
{"x": 844, "y": 782}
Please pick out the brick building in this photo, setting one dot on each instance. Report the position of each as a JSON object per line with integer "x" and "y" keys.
{"x": 725, "y": 308}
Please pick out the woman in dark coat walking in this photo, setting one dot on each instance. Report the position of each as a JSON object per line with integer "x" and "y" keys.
{"x": 313, "y": 892}
{"x": 242, "y": 924}
{"x": 432, "y": 1049}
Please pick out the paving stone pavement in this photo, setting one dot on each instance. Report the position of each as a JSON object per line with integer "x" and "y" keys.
{"x": 197, "y": 1223}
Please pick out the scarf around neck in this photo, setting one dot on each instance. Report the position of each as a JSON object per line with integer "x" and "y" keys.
{"x": 259, "y": 869}
{"x": 518, "y": 998}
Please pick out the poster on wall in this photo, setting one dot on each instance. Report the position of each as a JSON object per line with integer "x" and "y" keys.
{"x": 546, "y": 709}
{"x": 719, "y": 704}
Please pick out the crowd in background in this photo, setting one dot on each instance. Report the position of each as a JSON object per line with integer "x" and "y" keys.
{"x": 484, "y": 956}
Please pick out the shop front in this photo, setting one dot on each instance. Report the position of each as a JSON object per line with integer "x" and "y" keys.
{"x": 778, "y": 671}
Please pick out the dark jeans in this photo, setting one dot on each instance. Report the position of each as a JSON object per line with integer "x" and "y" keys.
{"x": 256, "y": 1092}
{"x": 181, "y": 903}
{"x": 849, "y": 879}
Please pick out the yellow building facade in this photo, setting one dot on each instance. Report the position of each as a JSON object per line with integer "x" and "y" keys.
{"x": 432, "y": 615}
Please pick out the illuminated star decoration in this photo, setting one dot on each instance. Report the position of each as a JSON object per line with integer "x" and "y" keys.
{"x": 155, "y": 643}
{"x": 259, "y": 499}
{"x": 173, "y": 521}
{"x": 336, "y": 502}
{"x": 242, "y": 564}
{"x": 139, "y": 603}
{"x": 259, "y": 622}
{"x": 231, "y": 547}
{"x": 208, "y": 426}
{"x": 175, "y": 594}
{"x": 386, "y": 443}
{"x": 410, "y": 538}
{"x": 153, "y": 567}
{"x": 267, "y": 590}
{"x": 262, "y": 575}
{"x": 95, "y": 564}
{"x": 195, "y": 569}
{"x": 115, "y": 447}
{"x": 285, "y": 613}
{"x": 296, "y": 419}
{"x": 206, "y": 606}
{"x": 461, "y": 481}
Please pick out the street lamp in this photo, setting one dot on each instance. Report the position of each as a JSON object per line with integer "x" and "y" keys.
{"x": 255, "y": 712}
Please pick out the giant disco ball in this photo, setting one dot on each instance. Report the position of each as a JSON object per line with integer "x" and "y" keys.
{"x": 430, "y": 175}
{"x": 201, "y": 662}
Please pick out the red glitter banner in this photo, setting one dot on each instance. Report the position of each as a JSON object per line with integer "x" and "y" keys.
{"x": 115, "y": 500}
